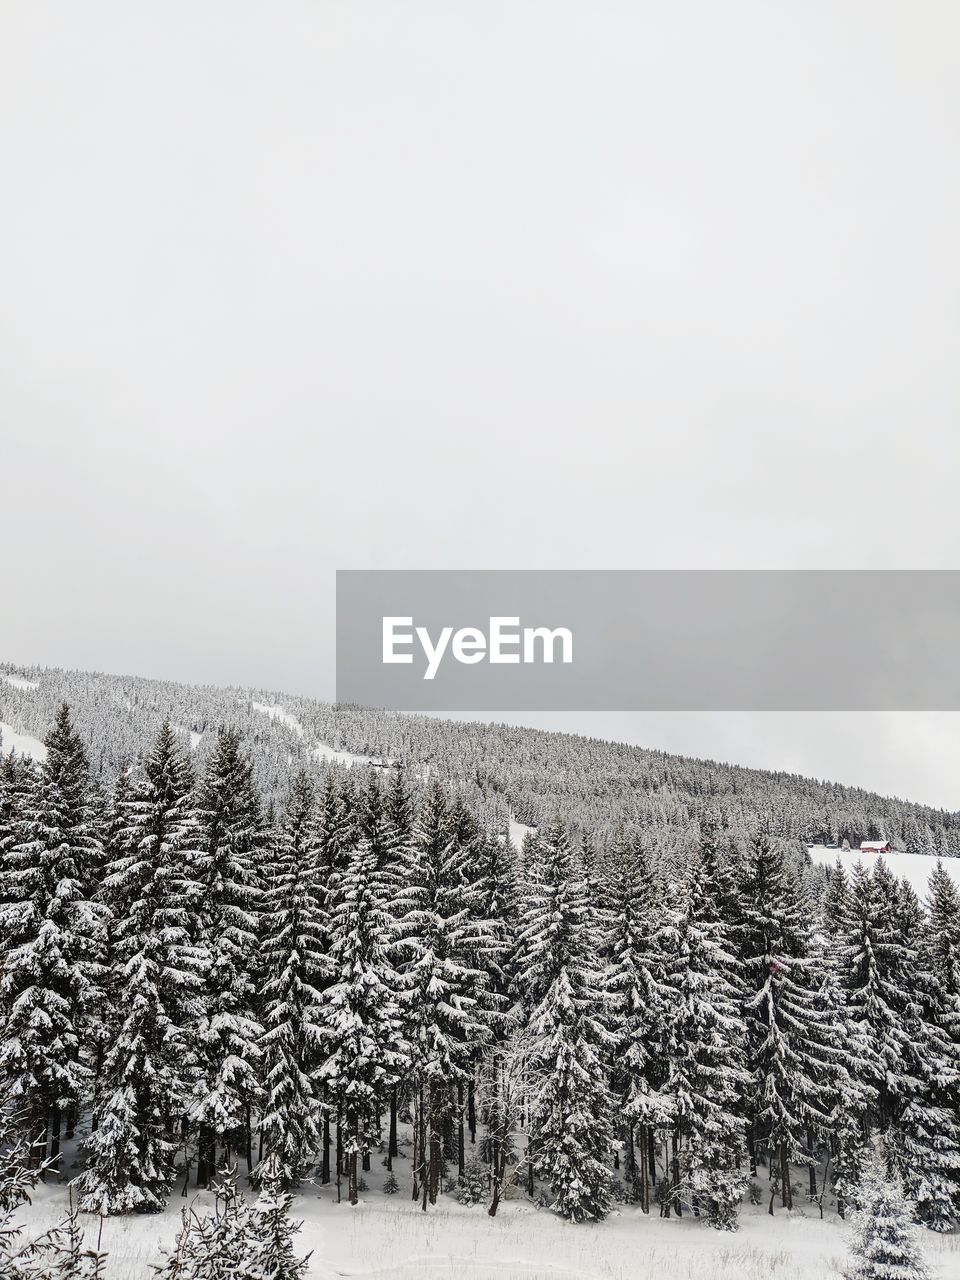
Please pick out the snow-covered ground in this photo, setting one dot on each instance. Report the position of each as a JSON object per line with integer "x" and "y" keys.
{"x": 518, "y": 831}
{"x": 22, "y": 743}
{"x": 325, "y": 752}
{"x": 390, "y": 1237}
{"x": 913, "y": 867}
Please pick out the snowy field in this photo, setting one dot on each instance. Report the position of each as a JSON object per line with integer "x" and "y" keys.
{"x": 916, "y": 868}
{"x": 22, "y": 743}
{"x": 390, "y": 1237}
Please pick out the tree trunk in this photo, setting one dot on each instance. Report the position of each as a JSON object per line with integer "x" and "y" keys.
{"x": 325, "y": 1156}
{"x": 353, "y": 1193}
{"x": 393, "y": 1148}
{"x": 786, "y": 1191}
{"x": 676, "y": 1176}
{"x": 812, "y": 1167}
{"x": 461, "y": 1142}
{"x": 38, "y": 1148}
{"x": 55, "y": 1123}
{"x": 641, "y": 1176}
{"x": 472, "y": 1113}
{"x": 248, "y": 1139}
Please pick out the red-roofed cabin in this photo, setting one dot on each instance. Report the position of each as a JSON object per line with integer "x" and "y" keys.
{"x": 876, "y": 846}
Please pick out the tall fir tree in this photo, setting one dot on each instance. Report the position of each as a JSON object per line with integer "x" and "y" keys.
{"x": 229, "y": 870}
{"x": 705, "y": 1079}
{"x": 444, "y": 1019}
{"x": 636, "y": 1007}
{"x": 789, "y": 1054}
{"x": 150, "y": 1066}
{"x": 295, "y": 969}
{"x": 571, "y": 1126}
{"x": 52, "y": 938}
{"x": 361, "y": 1018}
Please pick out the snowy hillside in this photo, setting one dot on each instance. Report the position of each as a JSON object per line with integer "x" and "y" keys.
{"x": 915, "y": 868}
{"x": 508, "y": 773}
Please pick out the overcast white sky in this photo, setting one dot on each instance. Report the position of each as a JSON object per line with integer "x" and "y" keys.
{"x": 287, "y": 287}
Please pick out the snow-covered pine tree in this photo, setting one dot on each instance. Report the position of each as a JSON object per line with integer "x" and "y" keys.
{"x": 494, "y": 908}
{"x": 336, "y": 833}
{"x": 635, "y": 1002}
{"x": 150, "y": 1065}
{"x": 705, "y": 1080}
{"x": 295, "y": 970}
{"x": 788, "y": 1034}
{"x": 876, "y": 962}
{"x": 925, "y": 1141}
{"x": 360, "y": 1015}
{"x": 571, "y": 1125}
{"x": 847, "y": 1097}
{"x": 229, "y": 865}
{"x": 52, "y": 936}
{"x": 885, "y": 1244}
{"x": 445, "y": 1026}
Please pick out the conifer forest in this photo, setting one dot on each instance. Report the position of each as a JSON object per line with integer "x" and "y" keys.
{"x": 268, "y": 948}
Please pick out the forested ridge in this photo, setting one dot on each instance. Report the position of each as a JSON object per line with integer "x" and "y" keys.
{"x": 594, "y": 786}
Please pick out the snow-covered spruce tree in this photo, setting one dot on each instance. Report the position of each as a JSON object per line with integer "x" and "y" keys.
{"x": 444, "y": 1022}
{"x": 150, "y": 1064}
{"x": 229, "y": 865}
{"x": 495, "y": 909}
{"x": 788, "y": 1033}
{"x": 295, "y": 969}
{"x": 635, "y": 1001}
{"x": 846, "y": 1094}
{"x": 360, "y": 1015}
{"x": 876, "y": 966}
{"x": 885, "y": 1244}
{"x": 705, "y": 1080}
{"x": 571, "y": 1128}
{"x": 51, "y": 935}
{"x": 485, "y": 943}
{"x": 336, "y": 833}
{"x": 925, "y": 1141}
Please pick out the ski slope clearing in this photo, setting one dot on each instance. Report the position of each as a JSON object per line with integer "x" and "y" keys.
{"x": 322, "y": 750}
{"x": 915, "y": 868}
{"x": 389, "y": 1237}
{"x": 278, "y": 713}
{"x": 20, "y": 682}
{"x": 21, "y": 743}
